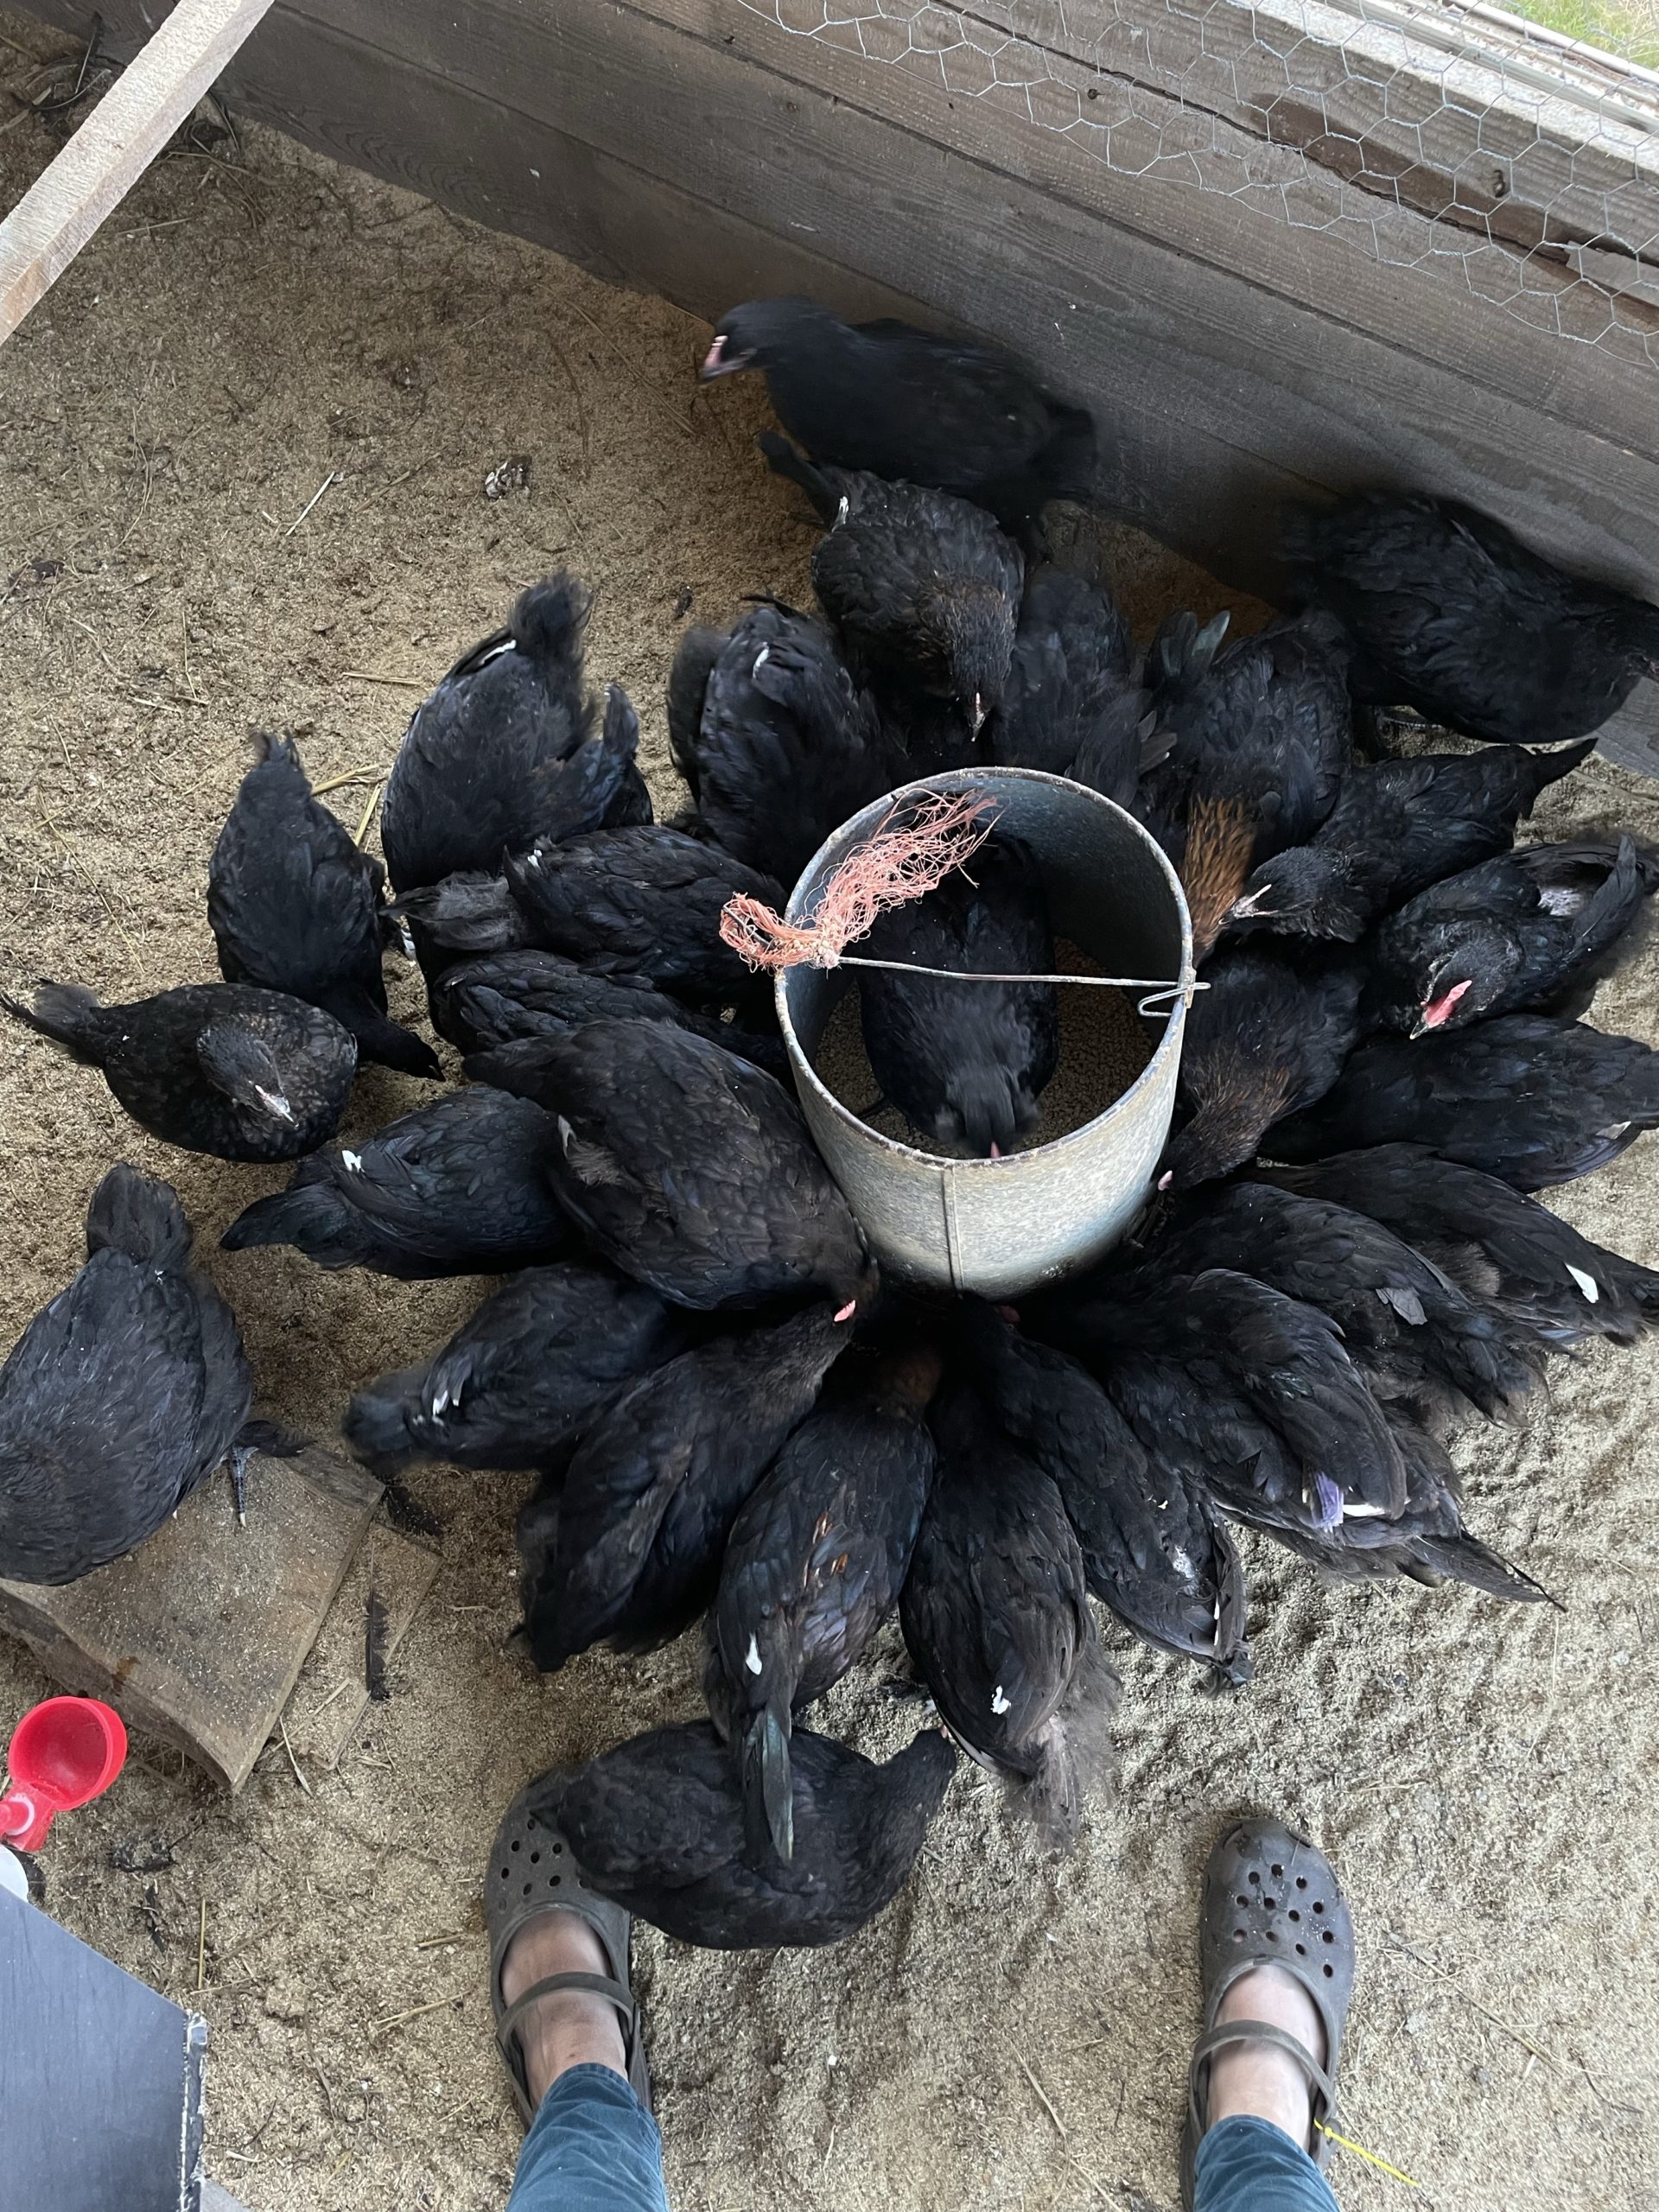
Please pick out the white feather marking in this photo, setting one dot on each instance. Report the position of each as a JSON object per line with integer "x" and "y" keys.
{"x": 760, "y": 660}
{"x": 752, "y": 1656}
{"x": 353, "y": 1161}
{"x": 1356, "y": 1508}
{"x": 1561, "y": 900}
{"x": 1587, "y": 1284}
{"x": 441, "y": 1402}
{"x": 841, "y": 512}
{"x": 565, "y": 1133}
{"x": 999, "y": 1703}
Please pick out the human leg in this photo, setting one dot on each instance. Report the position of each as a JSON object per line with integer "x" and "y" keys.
{"x": 568, "y": 2031}
{"x": 1277, "y": 1954}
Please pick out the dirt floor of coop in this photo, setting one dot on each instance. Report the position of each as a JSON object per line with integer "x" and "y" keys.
{"x": 1013, "y": 2032}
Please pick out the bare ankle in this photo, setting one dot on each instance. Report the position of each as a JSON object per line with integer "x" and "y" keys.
{"x": 1258, "y": 2080}
{"x": 570, "y": 2027}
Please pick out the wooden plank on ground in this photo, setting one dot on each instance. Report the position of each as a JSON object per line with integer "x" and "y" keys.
{"x": 332, "y": 1694}
{"x": 116, "y": 144}
{"x": 198, "y": 1636}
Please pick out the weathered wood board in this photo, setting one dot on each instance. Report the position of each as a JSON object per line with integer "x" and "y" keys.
{"x": 711, "y": 149}
{"x": 332, "y": 1695}
{"x": 198, "y": 1636}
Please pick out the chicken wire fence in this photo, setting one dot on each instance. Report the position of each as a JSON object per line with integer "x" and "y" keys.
{"x": 1458, "y": 141}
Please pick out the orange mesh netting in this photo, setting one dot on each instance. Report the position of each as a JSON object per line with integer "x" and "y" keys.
{"x": 902, "y": 860}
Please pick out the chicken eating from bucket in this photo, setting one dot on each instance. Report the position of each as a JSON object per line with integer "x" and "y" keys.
{"x": 961, "y": 1036}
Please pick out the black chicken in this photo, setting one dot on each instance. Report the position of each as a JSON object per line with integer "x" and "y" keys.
{"x": 912, "y": 404}
{"x": 966, "y": 1062}
{"x": 1154, "y": 1548}
{"x": 995, "y": 1616}
{"x": 1533, "y": 928}
{"x": 688, "y": 1168}
{"x": 1412, "y": 1333}
{"x": 295, "y": 907}
{"x": 1251, "y": 1393}
{"x": 1495, "y": 1243}
{"x": 1529, "y": 1098}
{"x": 1450, "y": 613}
{"x": 518, "y": 1381}
{"x": 222, "y": 1068}
{"x": 650, "y": 1496}
{"x": 813, "y": 1566}
{"x": 923, "y": 589}
{"x": 504, "y": 751}
{"x": 1426, "y": 1541}
{"x": 786, "y": 747}
{"x": 502, "y": 998}
{"x": 121, "y": 1395}
{"x": 658, "y": 1824}
{"x": 460, "y": 1188}
{"x": 1397, "y": 826}
{"x": 643, "y": 901}
{"x": 1071, "y": 706}
{"x": 1269, "y": 1035}
{"x": 1260, "y": 736}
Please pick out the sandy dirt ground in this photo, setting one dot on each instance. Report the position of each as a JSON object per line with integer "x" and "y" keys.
{"x": 1013, "y": 2031}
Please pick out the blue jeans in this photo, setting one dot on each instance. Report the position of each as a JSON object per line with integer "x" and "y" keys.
{"x": 1251, "y": 2166}
{"x": 592, "y": 2147}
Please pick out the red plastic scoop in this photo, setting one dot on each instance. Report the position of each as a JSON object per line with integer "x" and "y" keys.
{"x": 63, "y": 1754}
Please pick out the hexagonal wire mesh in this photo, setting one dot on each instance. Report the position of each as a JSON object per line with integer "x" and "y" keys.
{"x": 1461, "y": 140}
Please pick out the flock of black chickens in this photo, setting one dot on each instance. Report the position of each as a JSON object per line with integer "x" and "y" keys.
{"x": 731, "y": 1416}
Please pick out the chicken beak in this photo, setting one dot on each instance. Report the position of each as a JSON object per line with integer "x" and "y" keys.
{"x": 979, "y": 713}
{"x": 1436, "y": 1013}
{"x": 1246, "y": 909}
{"x": 1165, "y": 1178}
{"x": 847, "y": 1310}
{"x": 717, "y": 362}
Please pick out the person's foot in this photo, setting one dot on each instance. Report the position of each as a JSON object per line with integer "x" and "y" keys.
{"x": 1255, "y": 2081}
{"x": 571, "y": 2027}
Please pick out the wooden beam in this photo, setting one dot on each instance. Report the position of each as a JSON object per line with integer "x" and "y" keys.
{"x": 113, "y": 148}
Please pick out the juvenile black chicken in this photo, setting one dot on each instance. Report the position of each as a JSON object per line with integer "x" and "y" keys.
{"x": 504, "y": 751}
{"x": 922, "y": 588}
{"x": 1252, "y": 1394}
{"x": 1262, "y": 734}
{"x": 295, "y": 907}
{"x": 786, "y": 747}
{"x": 1495, "y": 1243}
{"x": 460, "y": 1188}
{"x": 1270, "y": 1035}
{"x": 688, "y": 1168}
{"x": 966, "y": 1062}
{"x": 1530, "y": 1097}
{"x": 1530, "y": 929}
{"x": 658, "y": 1824}
{"x": 995, "y": 1616}
{"x": 1397, "y": 826}
{"x": 1426, "y": 1542}
{"x": 121, "y": 1395}
{"x": 813, "y": 1566}
{"x": 1412, "y": 1331}
{"x": 1450, "y": 613}
{"x": 1154, "y": 1550}
{"x": 651, "y": 1495}
{"x": 521, "y": 1378}
{"x": 641, "y": 901}
{"x": 912, "y": 404}
{"x": 499, "y": 998}
{"x": 222, "y": 1068}
{"x": 1071, "y": 706}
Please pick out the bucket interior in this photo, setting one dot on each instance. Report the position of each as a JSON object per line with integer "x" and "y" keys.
{"x": 1110, "y": 892}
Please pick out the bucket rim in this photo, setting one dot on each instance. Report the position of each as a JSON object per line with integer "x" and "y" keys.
{"x": 956, "y": 780}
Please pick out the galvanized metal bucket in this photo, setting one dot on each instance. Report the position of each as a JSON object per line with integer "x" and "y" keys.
{"x": 1000, "y": 1226}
